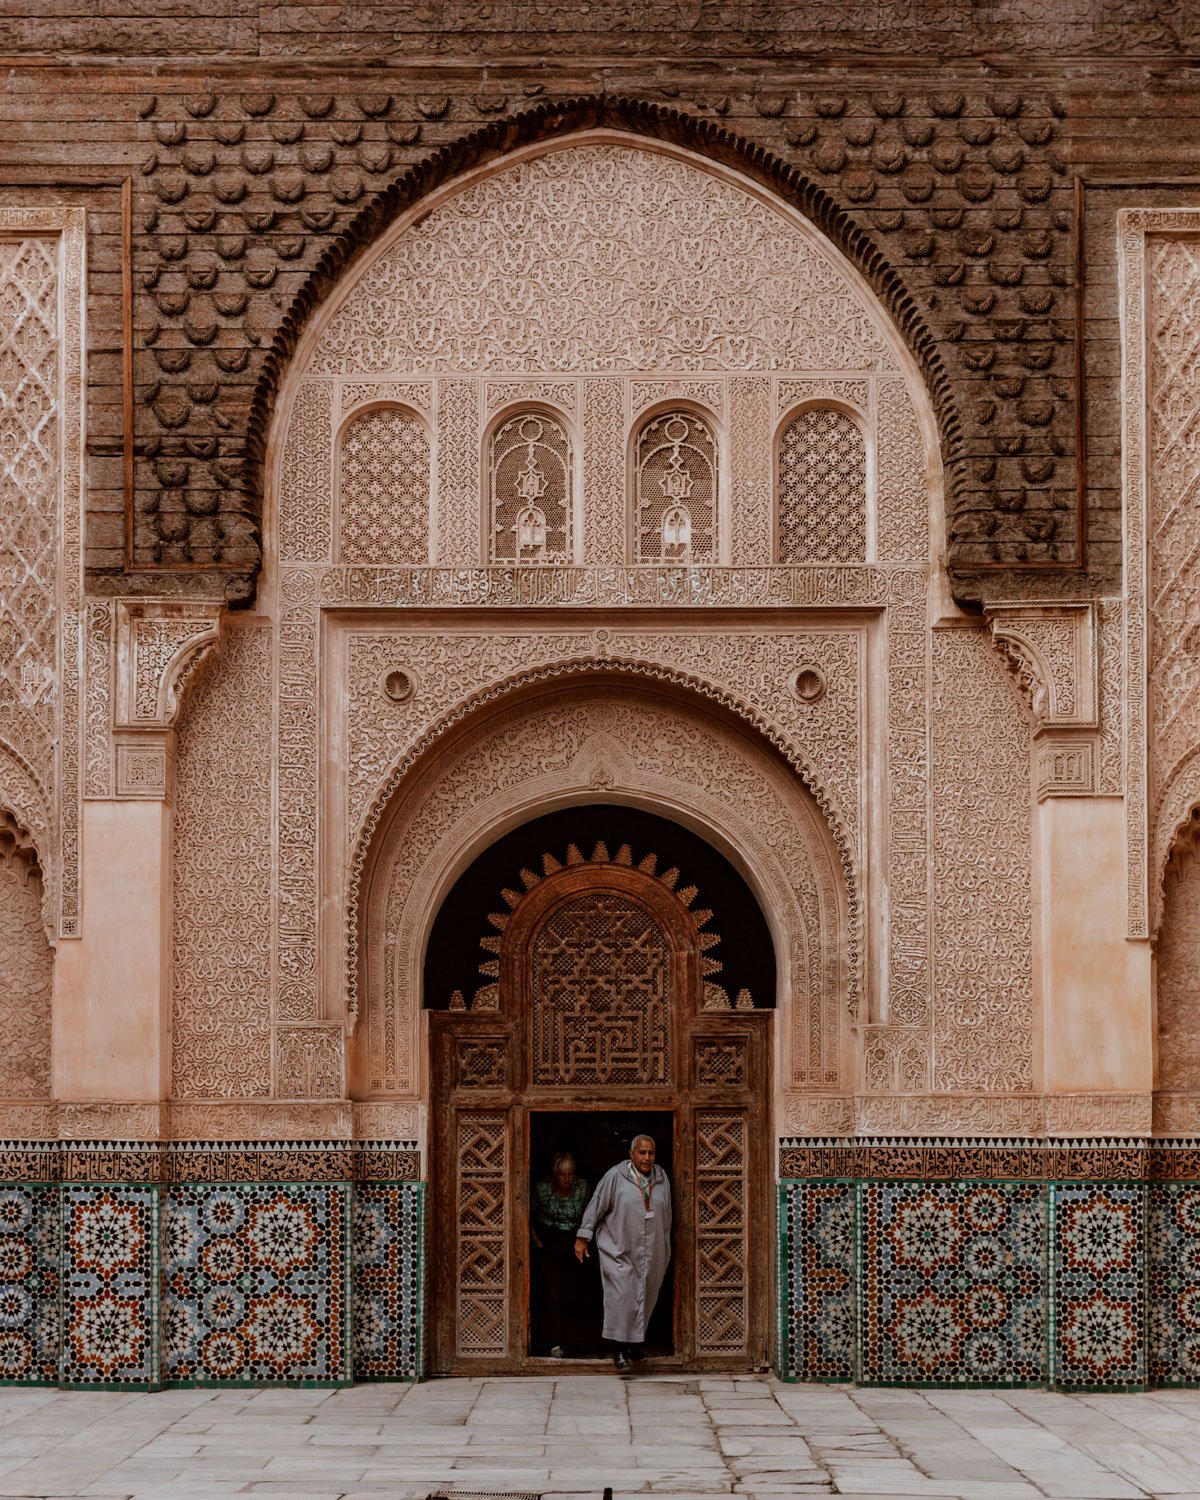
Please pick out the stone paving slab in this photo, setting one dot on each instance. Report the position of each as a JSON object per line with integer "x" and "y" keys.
{"x": 679, "y": 1437}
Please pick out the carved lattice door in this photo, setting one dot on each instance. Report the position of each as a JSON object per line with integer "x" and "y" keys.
{"x": 599, "y": 1004}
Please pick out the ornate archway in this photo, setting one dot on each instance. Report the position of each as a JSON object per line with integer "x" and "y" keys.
{"x": 569, "y": 741}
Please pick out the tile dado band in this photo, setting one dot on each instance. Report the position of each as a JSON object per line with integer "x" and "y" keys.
{"x": 136, "y": 1266}
{"x": 944, "y": 1263}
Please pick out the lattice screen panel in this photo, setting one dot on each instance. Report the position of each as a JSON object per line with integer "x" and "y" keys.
{"x": 721, "y": 1231}
{"x": 482, "y": 1234}
{"x": 384, "y": 489}
{"x": 822, "y": 493}
{"x": 601, "y": 994}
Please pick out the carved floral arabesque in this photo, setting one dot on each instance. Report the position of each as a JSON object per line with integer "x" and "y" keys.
{"x": 98, "y": 713}
{"x": 528, "y": 755}
{"x": 982, "y": 871}
{"x": 588, "y": 242}
{"x": 41, "y": 342}
{"x": 761, "y": 674}
{"x": 751, "y": 665}
{"x": 966, "y": 1115}
{"x": 223, "y": 857}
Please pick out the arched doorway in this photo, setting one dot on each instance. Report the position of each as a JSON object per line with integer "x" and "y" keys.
{"x": 599, "y": 1015}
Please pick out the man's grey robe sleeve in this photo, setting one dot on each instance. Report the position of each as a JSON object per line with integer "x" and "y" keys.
{"x": 598, "y": 1207}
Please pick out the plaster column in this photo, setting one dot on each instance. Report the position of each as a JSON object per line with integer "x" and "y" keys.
{"x": 112, "y": 986}
{"x": 1095, "y": 986}
{"x": 1098, "y": 1011}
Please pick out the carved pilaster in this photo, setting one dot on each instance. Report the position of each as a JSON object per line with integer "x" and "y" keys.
{"x": 160, "y": 643}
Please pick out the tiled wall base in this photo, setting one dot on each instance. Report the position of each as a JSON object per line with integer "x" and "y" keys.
{"x": 1078, "y": 1285}
{"x": 120, "y": 1285}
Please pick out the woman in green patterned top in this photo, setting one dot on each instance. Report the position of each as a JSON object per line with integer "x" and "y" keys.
{"x": 558, "y": 1205}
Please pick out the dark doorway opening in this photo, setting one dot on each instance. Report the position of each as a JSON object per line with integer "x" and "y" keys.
{"x": 598, "y": 1140}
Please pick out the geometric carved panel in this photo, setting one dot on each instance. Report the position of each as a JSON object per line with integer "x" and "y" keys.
{"x": 601, "y": 970}
{"x": 482, "y": 1272}
{"x": 479, "y": 1062}
{"x": 383, "y": 493}
{"x": 822, "y": 488}
{"x": 721, "y": 1062}
{"x": 722, "y": 1251}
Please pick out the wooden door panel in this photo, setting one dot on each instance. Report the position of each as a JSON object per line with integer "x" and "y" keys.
{"x": 482, "y": 1164}
{"x": 722, "y": 1254}
{"x": 599, "y": 1009}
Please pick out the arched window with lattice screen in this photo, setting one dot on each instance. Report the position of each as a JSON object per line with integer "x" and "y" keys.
{"x": 383, "y": 490}
{"x": 676, "y": 483}
{"x": 821, "y": 491}
{"x": 530, "y": 511}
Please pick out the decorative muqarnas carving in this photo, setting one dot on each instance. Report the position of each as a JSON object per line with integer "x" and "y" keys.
{"x": 1053, "y": 653}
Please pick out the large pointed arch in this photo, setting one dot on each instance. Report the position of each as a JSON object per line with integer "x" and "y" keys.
{"x": 550, "y": 121}
{"x": 579, "y": 737}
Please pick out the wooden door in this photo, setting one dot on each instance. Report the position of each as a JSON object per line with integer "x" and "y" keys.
{"x": 600, "y": 1004}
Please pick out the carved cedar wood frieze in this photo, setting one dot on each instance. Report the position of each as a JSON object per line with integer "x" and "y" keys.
{"x": 954, "y": 205}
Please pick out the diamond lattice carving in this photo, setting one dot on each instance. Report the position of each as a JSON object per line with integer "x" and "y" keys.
{"x": 822, "y": 492}
{"x": 383, "y": 494}
{"x": 29, "y": 351}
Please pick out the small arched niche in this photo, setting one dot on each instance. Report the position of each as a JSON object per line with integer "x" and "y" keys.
{"x": 1178, "y": 964}
{"x": 27, "y": 972}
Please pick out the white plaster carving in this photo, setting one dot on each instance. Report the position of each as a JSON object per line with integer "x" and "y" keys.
{"x": 1052, "y": 652}
{"x": 982, "y": 871}
{"x": 767, "y": 291}
{"x": 160, "y": 644}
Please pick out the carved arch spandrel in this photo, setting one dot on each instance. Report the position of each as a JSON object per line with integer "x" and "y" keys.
{"x": 629, "y": 745}
{"x": 754, "y": 724}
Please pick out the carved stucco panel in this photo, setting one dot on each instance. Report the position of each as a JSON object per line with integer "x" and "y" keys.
{"x": 295, "y": 866}
{"x": 306, "y": 476}
{"x": 98, "y": 714}
{"x": 223, "y": 857}
{"x": 26, "y": 973}
{"x": 678, "y": 757}
{"x": 753, "y": 666}
{"x": 570, "y": 261}
{"x": 751, "y": 502}
{"x": 901, "y": 486}
{"x": 982, "y": 871}
{"x": 42, "y": 263}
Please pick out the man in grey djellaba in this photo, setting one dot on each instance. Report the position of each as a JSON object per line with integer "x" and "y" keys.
{"x": 629, "y": 1219}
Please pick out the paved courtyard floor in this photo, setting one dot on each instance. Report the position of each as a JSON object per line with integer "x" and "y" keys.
{"x": 694, "y": 1437}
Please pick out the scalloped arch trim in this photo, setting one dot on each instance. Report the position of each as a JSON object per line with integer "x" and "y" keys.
{"x": 638, "y": 117}
{"x": 494, "y": 697}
